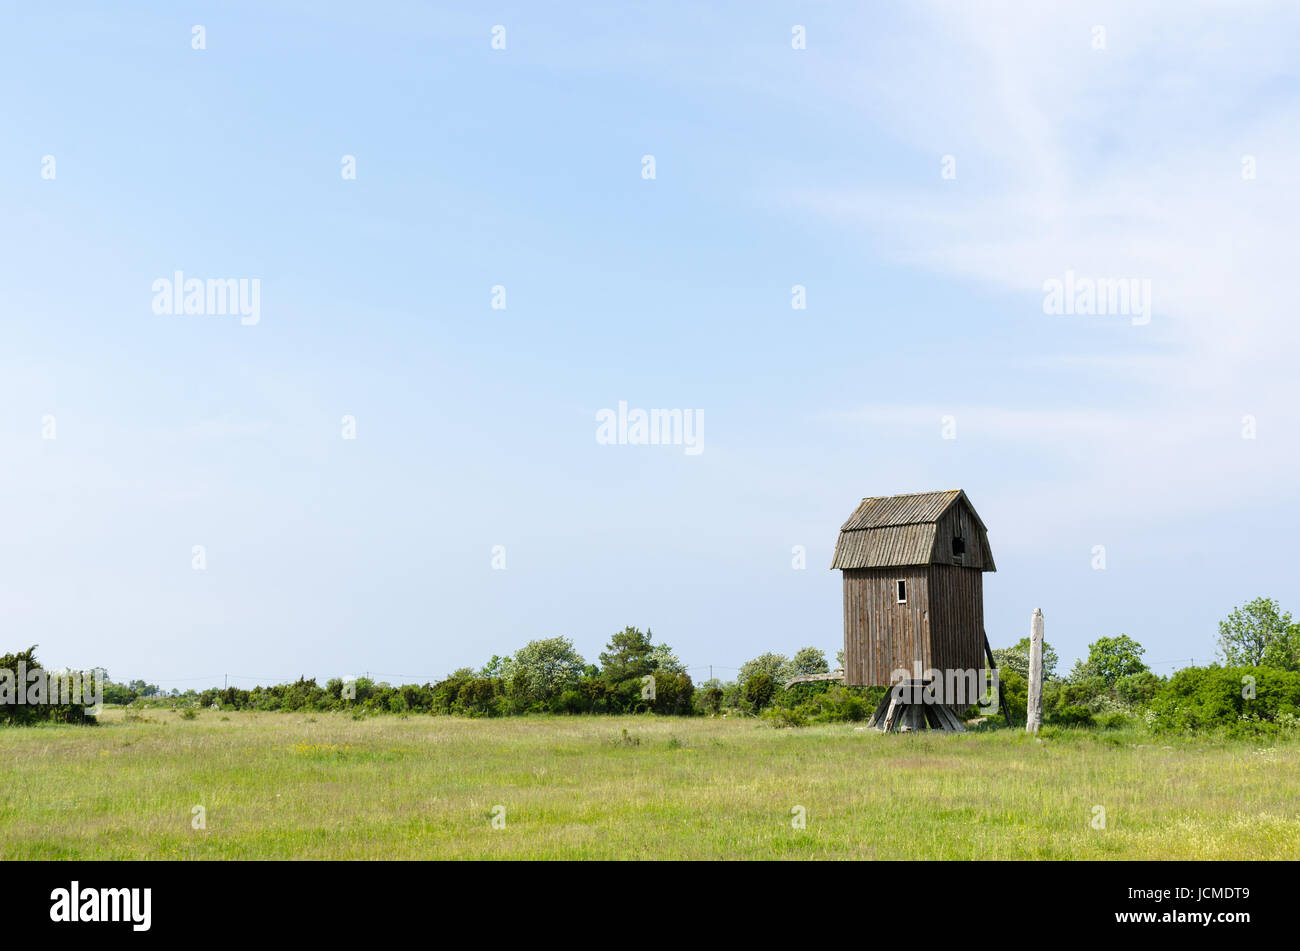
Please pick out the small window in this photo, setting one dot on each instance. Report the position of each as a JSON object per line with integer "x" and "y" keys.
{"x": 902, "y": 592}
{"x": 958, "y": 546}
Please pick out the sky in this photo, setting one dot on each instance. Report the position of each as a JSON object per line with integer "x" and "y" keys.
{"x": 921, "y": 171}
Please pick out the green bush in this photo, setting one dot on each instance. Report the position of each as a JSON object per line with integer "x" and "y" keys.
{"x": 674, "y": 694}
{"x": 709, "y": 699}
{"x": 1216, "y": 698}
{"x": 479, "y": 697}
{"x": 18, "y": 714}
{"x": 1113, "y": 721}
{"x": 594, "y": 692}
{"x": 785, "y": 716}
{"x": 118, "y": 694}
{"x": 1084, "y": 692}
{"x": 822, "y": 702}
{"x": 848, "y": 704}
{"x": 572, "y": 701}
{"x": 1072, "y": 716}
{"x": 1137, "y": 689}
{"x": 1016, "y": 689}
{"x": 759, "y": 690}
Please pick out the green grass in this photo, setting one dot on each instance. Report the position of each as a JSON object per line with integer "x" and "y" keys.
{"x": 323, "y": 785}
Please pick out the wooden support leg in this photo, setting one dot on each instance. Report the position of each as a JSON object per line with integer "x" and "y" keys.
{"x": 932, "y": 719}
{"x": 949, "y": 719}
{"x": 882, "y": 708}
{"x": 916, "y": 717}
{"x": 1002, "y": 694}
{"x": 937, "y": 712}
{"x": 895, "y": 715}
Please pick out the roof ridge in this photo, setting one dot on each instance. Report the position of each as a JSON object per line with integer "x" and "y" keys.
{"x": 877, "y": 528}
{"x": 908, "y": 495}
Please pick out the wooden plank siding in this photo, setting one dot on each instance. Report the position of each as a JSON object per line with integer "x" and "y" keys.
{"x": 960, "y": 521}
{"x": 881, "y": 635}
{"x": 941, "y": 625}
{"x": 957, "y": 617}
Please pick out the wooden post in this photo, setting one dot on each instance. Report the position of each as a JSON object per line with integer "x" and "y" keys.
{"x": 1034, "y": 718}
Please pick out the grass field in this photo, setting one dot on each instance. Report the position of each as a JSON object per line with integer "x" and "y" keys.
{"x": 283, "y": 786}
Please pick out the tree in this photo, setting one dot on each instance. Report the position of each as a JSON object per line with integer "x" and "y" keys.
{"x": 118, "y": 693}
{"x": 1260, "y": 633}
{"x": 710, "y": 700}
{"x": 674, "y": 693}
{"x": 807, "y": 660}
{"x": 547, "y": 666}
{"x": 1110, "y": 658}
{"x": 759, "y": 690}
{"x": 768, "y": 663}
{"x": 13, "y": 712}
{"x": 1016, "y": 658}
{"x": 628, "y": 655}
{"x": 665, "y": 661}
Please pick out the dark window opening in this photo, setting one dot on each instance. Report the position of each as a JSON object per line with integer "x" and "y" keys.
{"x": 902, "y": 592}
{"x": 958, "y": 545}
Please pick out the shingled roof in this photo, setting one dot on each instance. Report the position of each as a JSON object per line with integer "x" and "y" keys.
{"x": 893, "y": 530}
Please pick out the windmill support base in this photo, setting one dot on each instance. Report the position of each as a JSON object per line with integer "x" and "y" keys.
{"x": 896, "y": 714}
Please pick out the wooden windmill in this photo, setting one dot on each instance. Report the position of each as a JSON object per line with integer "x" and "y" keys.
{"x": 913, "y": 600}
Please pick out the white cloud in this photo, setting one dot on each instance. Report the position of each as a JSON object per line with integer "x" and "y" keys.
{"x": 1117, "y": 163}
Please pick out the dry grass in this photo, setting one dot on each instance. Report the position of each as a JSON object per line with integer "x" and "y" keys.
{"x": 327, "y": 786}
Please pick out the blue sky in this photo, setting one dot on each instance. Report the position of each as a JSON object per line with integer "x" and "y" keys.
{"x": 475, "y": 427}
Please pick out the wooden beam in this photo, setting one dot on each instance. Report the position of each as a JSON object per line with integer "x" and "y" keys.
{"x": 881, "y": 709}
{"x": 949, "y": 719}
{"x": 1002, "y": 693}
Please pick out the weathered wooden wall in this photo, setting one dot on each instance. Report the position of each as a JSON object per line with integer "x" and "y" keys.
{"x": 957, "y": 617}
{"x": 961, "y": 521}
{"x": 881, "y": 635}
{"x": 941, "y": 625}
